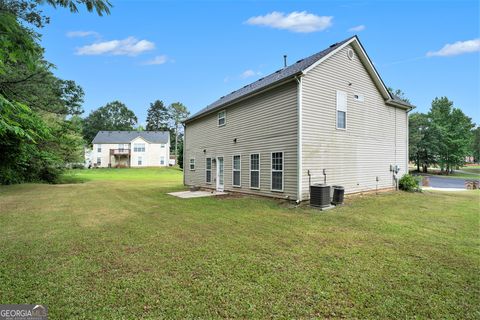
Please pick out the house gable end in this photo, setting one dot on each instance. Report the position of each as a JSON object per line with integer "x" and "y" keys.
{"x": 361, "y": 54}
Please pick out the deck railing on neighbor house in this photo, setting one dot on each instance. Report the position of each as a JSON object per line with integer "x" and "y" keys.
{"x": 120, "y": 152}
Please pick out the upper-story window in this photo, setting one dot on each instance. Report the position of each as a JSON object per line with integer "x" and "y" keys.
{"x": 341, "y": 110}
{"x": 162, "y": 146}
{"x": 99, "y": 148}
{"x": 121, "y": 146}
{"x": 139, "y": 147}
{"x": 222, "y": 118}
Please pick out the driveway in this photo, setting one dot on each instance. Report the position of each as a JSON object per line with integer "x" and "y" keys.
{"x": 442, "y": 182}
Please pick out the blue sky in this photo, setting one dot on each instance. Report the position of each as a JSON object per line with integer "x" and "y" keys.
{"x": 195, "y": 52}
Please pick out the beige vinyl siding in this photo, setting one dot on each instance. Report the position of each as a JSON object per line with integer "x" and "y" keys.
{"x": 262, "y": 124}
{"x": 375, "y": 135}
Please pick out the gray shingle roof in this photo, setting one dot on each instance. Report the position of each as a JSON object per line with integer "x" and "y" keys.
{"x": 127, "y": 136}
{"x": 399, "y": 100}
{"x": 277, "y": 76}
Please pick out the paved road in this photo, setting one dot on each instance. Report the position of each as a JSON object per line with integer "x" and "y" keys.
{"x": 441, "y": 182}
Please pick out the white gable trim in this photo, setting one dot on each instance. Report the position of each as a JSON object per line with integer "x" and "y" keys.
{"x": 140, "y": 138}
{"x": 366, "y": 61}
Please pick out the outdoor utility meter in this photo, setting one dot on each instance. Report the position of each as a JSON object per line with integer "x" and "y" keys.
{"x": 395, "y": 168}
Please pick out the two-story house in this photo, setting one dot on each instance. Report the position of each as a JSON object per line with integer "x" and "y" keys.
{"x": 328, "y": 113}
{"x": 131, "y": 149}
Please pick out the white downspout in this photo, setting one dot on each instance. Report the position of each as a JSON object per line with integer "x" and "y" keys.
{"x": 299, "y": 140}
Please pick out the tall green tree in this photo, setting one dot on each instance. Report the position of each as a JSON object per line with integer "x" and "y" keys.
{"x": 112, "y": 116}
{"x": 422, "y": 148}
{"x": 157, "y": 117}
{"x": 40, "y": 129}
{"x": 476, "y": 144}
{"x": 452, "y": 130}
{"x": 179, "y": 159}
{"x": 178, "y": 114}
{"x": 399, "y": 93}
{"x": 24, "y": 151}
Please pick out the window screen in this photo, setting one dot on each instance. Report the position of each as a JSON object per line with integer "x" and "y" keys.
{"x": 208, "y": 170}
{"x": 277, "y": 171}
{"x": 255, "y": 170}
{"x": 236, "y": 171}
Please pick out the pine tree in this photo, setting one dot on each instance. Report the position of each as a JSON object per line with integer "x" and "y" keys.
{"x": 178, "y": 113}
{"x": 157, "y": 117}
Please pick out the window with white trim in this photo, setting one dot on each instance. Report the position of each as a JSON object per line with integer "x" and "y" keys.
{"x": 341, "y": 110}
{"x": 99, "y": 148}
{"x": 99, "y": 161}
{"x": 277, "y": 171}
{"x": 139, "y": 147}
{"x": 162, "y": 160}
{"x": 192, "y": 164}
{"x": 139, "y": 160}
{"x": 222, "y": 118}
{"x": 162, "y": 146}
{"x": 208, "y": 170}
{"x": 255, "y": 171}
{"x": 236, "y": 172}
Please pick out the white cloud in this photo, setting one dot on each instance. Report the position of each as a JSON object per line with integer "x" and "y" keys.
{"x": 129, "y": 47}
{"x": 295, "y": 21}
{"x": 81, "y": 34}
{"x": 459, "y": 47}
{"x": 249, "y": 73}
{"x": 157, "y": 60}
{"x": 357, "y": 28}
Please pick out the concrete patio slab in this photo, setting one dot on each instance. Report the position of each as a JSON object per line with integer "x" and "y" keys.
{"x": 196, "y": 194}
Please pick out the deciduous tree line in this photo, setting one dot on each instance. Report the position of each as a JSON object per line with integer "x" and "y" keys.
{"x": 40, "y": 128}
{"x": 444, "y": 137}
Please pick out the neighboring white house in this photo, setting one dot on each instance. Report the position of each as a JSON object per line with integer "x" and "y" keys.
{"x": 330, "y": 112}
{"x": 131, "y": 149}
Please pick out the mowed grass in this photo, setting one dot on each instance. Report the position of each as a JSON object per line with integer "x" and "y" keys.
{"x": 118, "y": 247}
{"x": 472, "y": 169}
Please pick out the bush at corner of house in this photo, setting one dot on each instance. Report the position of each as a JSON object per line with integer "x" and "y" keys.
{"x": 409, "y": 183}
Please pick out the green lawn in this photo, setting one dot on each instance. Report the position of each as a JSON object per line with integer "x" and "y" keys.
{"x": 118, "y": 247}
{"x": 472, "y": 169}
